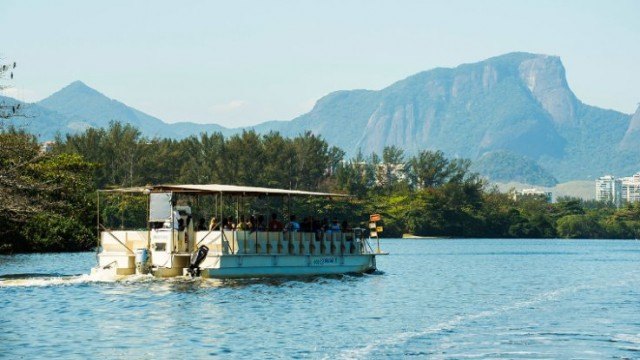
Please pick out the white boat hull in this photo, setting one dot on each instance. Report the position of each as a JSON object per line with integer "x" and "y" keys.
{"x": 243, "y": 266}
{"x": 236, "y": 254}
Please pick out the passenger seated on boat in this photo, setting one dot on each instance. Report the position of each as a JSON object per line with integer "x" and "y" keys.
{"x": 335, "y": 227}
{"x": 275, "y": 224}
{"x": 213, "y": 224}
{"x": 242, "y": 224}
{"x": 307, "y": 224}
{"x": 317, "y": 228}
{"x": 326, "y": 227}
{"x": 226, "y": 225}
{"x": 247, "y": 223}
{"x": 260, "y": 223}
{"x": 201, "y": 225}
{"x": 252, "y": 223}
{"x": 292, "y": 225}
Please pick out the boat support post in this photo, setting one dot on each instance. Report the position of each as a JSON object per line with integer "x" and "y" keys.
{"x": 97, "y": 224}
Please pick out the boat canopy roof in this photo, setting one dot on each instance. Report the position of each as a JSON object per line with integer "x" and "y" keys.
{"x": 222, "y": 189}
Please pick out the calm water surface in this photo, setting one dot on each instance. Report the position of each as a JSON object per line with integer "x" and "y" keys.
{"x": 451, "y": 299}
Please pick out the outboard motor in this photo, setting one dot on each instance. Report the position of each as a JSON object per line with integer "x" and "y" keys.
{"x": 142, "y": 261}
{"x": 197, "y": 259}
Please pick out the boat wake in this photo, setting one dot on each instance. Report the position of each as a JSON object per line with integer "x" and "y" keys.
{"x": 55, "y": 279}
{"x": 451, "y": 324}
{"x": 42, "y": 280}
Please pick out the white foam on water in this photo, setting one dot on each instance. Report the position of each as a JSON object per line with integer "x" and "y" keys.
{"x": 98, "y": 277}
{"x": 401, "y": 338}
{"x": 46, "y": 281}
{"x": 628, "y": 338}
{"x": 110, "y": 277}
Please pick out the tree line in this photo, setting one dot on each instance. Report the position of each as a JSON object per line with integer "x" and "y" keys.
{"x": 47, "y": 199}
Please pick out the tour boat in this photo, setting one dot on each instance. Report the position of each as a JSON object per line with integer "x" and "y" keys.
{"x": 172, "y": 246}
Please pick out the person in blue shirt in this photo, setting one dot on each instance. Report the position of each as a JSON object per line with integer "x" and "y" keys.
{"x": 335, "y": 226}
{"x": 292, "y": 225}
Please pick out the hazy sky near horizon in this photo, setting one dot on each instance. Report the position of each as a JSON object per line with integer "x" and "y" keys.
{"x": 239, "y": 63}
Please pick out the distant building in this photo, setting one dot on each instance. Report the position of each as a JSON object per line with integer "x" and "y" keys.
{"x": 608, "y": 189}
{"x": 389, "y": 173}
{"x": 618, "y": 190}
{"x": 47, "y": 146}
{"x": 533, "y": 192}
{"x": 630, "y": 189}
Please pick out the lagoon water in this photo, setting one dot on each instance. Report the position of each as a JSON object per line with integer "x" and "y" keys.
{"x": 450, "y": 299}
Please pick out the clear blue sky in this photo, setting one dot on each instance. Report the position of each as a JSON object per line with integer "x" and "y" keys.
{"x": 243, "y": 62}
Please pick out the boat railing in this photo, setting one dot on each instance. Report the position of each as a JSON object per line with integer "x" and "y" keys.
{"x": 125, "y": 241}
{"x": 240, "y": 242}
{"x": 231, "y": 242}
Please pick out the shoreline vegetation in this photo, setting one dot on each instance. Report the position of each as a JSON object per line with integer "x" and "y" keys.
{"x": 48, "y": 198}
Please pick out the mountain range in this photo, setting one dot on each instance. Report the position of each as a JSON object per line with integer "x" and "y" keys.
{"x": 514, "y": 115}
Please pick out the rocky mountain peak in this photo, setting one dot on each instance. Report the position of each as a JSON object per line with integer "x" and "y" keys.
{"x": 76, "y": 88}
{"x": 546, "y": 79}
{"x": 65, "y": 100}
{"x": 631, "y": 140}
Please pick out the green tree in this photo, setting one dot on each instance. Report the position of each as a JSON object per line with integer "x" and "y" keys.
{"x": 578, "y": 227}
{"x": 42, "y": 194}
{"x": 392, "y": 168}
{"x": 355, "y": 176}
{"x": 433, "y": 169}
{"x": 312, "y": 161}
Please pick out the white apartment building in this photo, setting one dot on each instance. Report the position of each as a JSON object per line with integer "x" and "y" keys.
{"x": 532, "y": 192}
{"x": 618, "y": 190}
{"x": 47, "y": 146}
{"x": 631, "y": 188}
{"x": 608, "y": 189}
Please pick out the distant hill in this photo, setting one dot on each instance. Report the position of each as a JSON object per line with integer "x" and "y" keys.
{"x": 97, "y": 110}
{"x": 40, "y": 121}
{"x": 514, "y": 115}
